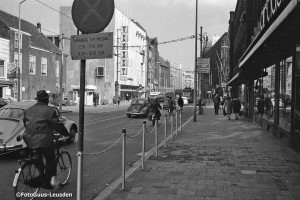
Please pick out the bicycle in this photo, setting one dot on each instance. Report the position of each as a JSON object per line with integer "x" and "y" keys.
{"x": 30, "y": 176}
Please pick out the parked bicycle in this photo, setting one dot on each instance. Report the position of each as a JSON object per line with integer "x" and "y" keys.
{"x": 30, "y": 176}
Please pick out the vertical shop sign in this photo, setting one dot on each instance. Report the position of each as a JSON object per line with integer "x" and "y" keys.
{"x": 124, "y": 53}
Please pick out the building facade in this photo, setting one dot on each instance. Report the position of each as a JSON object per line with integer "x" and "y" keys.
{"x": 264, "y": 64}
{"x": 39, "y": 59}
{"x": 219, "y": 67}
{"x": 123, "y": 75}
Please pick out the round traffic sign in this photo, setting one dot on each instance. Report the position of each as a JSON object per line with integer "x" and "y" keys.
{"x": 92, "y": 16}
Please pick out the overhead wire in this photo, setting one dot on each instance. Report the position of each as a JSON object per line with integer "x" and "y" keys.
{"x": 53, "y": 9}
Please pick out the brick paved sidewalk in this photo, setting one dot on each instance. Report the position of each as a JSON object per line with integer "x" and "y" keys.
{"x": 215, "y": 159}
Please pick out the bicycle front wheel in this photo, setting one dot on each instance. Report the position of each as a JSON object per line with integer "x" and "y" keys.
{"x": 64, "y": 167}
{"x": 27, "y": 181}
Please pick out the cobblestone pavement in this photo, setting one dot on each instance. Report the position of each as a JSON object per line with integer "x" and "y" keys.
{"x": 215, "y": 159}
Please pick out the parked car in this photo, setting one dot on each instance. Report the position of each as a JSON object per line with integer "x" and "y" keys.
{"x": 12, "y": 128}
{"x": 185, "y": 101}
{"x": 66, "y": 101}
{"x": 5, "y": 101}
{"x": 138, "y": 107}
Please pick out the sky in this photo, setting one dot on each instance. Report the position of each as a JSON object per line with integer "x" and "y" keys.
{"x": 164, "y": 19}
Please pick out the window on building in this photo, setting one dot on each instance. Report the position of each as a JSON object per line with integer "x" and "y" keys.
{"x": 32, "y": 65}
{"x": 1, "y": 68}
{"x": 16, "y": 59}
{"x": 44, "y": 66}
{"x": 285, "y": 94}
{"x": 17, "y": 40}
{"x": 57, "y": 68}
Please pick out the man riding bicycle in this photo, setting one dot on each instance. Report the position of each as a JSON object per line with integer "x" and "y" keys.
{"x": 41, "y": 121}
{"x": 171, "y": 105}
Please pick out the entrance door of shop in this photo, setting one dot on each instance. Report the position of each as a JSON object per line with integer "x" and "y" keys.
{"x": 297, "y": 92}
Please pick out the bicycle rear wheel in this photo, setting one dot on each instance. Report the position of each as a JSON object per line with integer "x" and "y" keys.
{"x": 27, "y": 180}
{"x": 64, "y": 167}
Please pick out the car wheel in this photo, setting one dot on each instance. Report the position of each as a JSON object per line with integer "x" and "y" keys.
{"x": 128, "y": 115}
{"x": 73, "y": 135}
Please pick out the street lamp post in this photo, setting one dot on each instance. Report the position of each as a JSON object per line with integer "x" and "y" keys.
{"x": 19, "y": 51}
{"x": 117, "y": 78}
{"x": 195, "y": 71}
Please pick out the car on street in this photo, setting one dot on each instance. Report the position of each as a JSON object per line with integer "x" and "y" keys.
{"x": 185, "y": 101}
{"x": 5, "y": 101}
{"x": 12, "y": 128}
{"x": 138, "y": 107}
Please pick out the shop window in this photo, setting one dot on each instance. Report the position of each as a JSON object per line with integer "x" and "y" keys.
{"x": 32, "y": 64}
{"x": 1, "y": 68}
{"x": 16, "y": 43}
{"x": 16, "y": 59}
{"x": 285, "y": 94}
{"x": 57, "y": 63}
{"x": 44, "y": 66}
{"x": 264, "y": 94}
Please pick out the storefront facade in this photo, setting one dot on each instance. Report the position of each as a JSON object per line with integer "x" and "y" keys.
{"x": 266, "y": 74}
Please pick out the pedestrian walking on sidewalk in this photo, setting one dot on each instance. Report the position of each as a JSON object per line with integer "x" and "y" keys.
{"x": 180, "y": 102}
{"x": 118, "y": 101}
{"x": 216, "y": 103}
{"x": 114, "y": 100}
{"x": 261, "y": 106}
{"x": 236, "y": 107}
{"x": 228, "y": 107}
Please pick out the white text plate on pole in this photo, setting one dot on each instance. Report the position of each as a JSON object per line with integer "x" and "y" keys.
{"x": 92, "y": 46}
{"x": 203, "y": 65}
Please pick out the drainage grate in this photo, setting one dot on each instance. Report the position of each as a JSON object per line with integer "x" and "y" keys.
{"x": 248, "y": 172}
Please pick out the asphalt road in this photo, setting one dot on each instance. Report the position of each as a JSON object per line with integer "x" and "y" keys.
{"x": 101, "y": 131}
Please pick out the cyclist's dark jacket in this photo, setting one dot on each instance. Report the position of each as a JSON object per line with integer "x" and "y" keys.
{"x": 40, "y": 122}
{"x": 180, "y": 102}
{"x": 154, "y": 107}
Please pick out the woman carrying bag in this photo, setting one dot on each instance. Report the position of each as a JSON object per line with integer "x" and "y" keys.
{"x": 227, "y": 109}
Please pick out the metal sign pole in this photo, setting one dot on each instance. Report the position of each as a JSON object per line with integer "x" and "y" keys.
{"x": 81, "y": 128}
{"x": 195, "y": 70}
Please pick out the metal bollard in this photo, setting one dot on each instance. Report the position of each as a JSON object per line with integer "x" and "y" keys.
{"x": 156, "y": 146}
{"x": 143, "y": 145}
{"x": 180, "y": 122}
{"x": 171, "y": 127}
{"x": 123, "y": 158}
{"x": 165, "y": 131}
{"x": 176, "y": 120}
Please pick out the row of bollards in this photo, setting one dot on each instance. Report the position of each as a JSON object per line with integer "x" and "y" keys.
{"x": 156, "y": 140}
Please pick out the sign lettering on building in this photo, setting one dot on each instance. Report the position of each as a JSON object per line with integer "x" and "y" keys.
{"x": 124, "y": 71}
{"x": 270, "y": 12}
{"x": 124, "y": 53}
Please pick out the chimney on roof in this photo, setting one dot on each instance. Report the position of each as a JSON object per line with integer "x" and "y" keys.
{"x": 39, "y": 27}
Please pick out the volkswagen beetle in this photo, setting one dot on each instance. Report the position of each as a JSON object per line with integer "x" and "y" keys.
{"x": 12, "y": 128}
{"x": 138, "y": 107}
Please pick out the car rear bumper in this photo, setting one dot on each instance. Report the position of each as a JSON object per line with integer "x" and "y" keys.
{"x": 134, "y": 113}
{"x": 7, "y": 148}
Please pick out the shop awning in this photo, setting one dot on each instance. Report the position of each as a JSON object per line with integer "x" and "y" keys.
{"x": 4, "y": 83}
{"x": 278, "y": 21}
{"x": 233, "y": 79}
